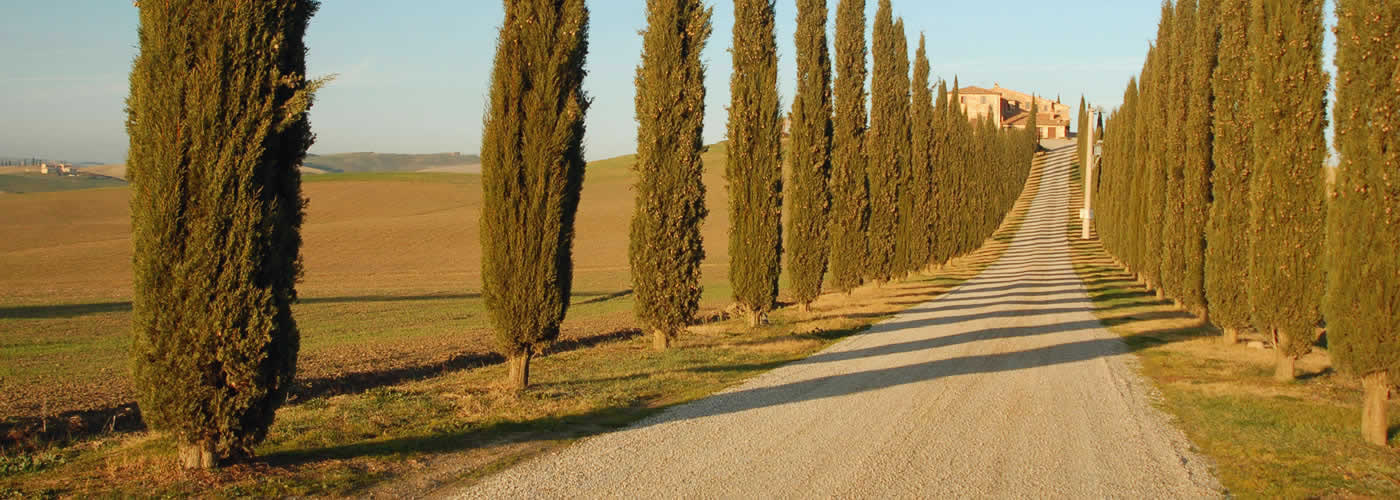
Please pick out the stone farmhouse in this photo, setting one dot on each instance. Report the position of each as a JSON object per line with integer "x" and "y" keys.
{"x": 1009, "y": 108}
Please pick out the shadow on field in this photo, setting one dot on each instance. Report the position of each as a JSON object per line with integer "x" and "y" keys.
{"x": 56, "y": 311}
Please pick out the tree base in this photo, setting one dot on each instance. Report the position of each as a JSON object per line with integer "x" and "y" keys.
{"x": 804, "y": 307}
{"x": 754, "y": 318}
{"x": 198, "y": 456}
{"x": 1231, "y": 336}
{"x": 660, "y": 340}
{"x": 519, "y": 370}
{"x": 1375, "y": 427}
{"x": 1283, "y": 368}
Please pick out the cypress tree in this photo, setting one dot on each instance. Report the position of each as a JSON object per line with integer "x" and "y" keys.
{"x": 1363, "y": 243}
{"x": 941, "y": 189}
{"x": 1288, "y": 106}
{"x": 1159, "y": 157}
{"x": 1178, "y": 111}
{"x": 530, "y": 195}
{"x": 754, "y": 169}
{"x": 849, "y": 195}
{"x": 916, "y": 210}
{"x": 810, "y": 154}
{"x": 1142, "y": 165}
{"x": 1081, "y": 139}
{"x": 216, "y": 213}
{"x": 1227, "y": 253}
{"x": 887, "y": 98}
{"x": 1196, "y": 179}
{"x": 666, "y": 248}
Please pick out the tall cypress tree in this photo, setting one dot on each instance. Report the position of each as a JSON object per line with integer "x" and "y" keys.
{"x": 217, "y": 121}
{"x": 1232, "y": 130}
{"x": 1363, "y": 258}
{"x": 666, "y": 248}
{"x": 530, "y": 195}
{"x": 916, "y": 208}
{"x": 810, "y": 153}
{"x": 1196, "y": 178}
{"x": 940, "y": 180}
{"x": 754, "y": 169}
{"x": 1178, "y": 112}
{"x": 1159, "y": 158}
{"x": 882, "y": 171}
{"x": 1081, "y": 139}
{"x": 849, "y": 195}
{"x": 1289, "y": 105}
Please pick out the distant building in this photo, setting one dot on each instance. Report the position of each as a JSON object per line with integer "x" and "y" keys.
{"x": 1008, "y": 108}
{"x": 44, "y": 168}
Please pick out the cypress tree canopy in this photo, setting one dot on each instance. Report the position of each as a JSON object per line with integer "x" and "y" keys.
{"x": 1197, "y": 172}
{"x": 1288, "y": 105}
{"x": 916, "y": 200}
{"x": 217, "y": 120}
{"x": 666, "y": 248}
{"x": 889, "y": 99}
{"x": 849, "y": 202}
{"x": 531, "y": 195}
{"x": 754, "y": 170}
{"x": 1227, "y": 253}
{"x": 810, "y": 154}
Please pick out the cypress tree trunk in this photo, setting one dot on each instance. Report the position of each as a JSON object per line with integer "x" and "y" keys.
{"x": 217, "y": 120}
{"x": 531, "y": 194}
{"x": 887, "y": 98}
{"x": 1363, "y": 243}
{"x": 810, "y": 149}
{"x": 1375, "y": 427}
{"x": 666, "y": 248}
{"x": 754, "y": 169}
{"x": 916, "y": 207}
{"x": 1227, "y": 253}
{"x": 1286, "y": 213}
{"x": 849, "y": 203}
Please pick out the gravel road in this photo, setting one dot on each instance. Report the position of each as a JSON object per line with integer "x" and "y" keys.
{"x": 1005, "y": 387}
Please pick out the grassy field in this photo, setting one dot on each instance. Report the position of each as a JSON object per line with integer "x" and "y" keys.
{"x": 1267, "y": 439}
{"x": 398, "y": 386}
{"x": 383, "y": 162}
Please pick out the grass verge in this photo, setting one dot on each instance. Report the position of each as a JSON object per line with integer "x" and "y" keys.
{"x": 1267, "y": 439}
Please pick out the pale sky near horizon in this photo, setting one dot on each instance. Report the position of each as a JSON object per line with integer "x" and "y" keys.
{"x": 413, "y": 75}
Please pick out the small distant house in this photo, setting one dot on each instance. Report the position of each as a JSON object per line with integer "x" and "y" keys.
{"x": 44, "y": 168}
{"x": 1009, "y": 108}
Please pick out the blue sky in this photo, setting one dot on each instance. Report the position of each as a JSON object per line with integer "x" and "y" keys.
{"x": 413, "y": 74}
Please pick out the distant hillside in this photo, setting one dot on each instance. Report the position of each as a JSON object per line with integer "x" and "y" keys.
{"x": 36, "y": 183}
{"x": 383, "y": 162}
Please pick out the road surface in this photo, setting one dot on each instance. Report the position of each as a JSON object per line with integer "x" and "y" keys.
{"x": 1005, "y": 387}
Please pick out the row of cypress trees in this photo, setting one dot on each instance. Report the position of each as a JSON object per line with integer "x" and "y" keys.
{"x": 218, "y": 124}
{"x": 1226, "y": 123}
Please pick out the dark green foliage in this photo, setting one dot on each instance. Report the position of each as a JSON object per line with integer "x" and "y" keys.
{"x": 916, "y": 197}
{"x": 217, "y": 119}
{"x": 754, "y": 169}
{"x": 810, "y": 153}
{"x": 888, "y": 136}
{"x": 1288, "y": 105}
{"x": 666, "y": 248}
{"x": 1178, "y": 111}
{"x": 1363, "y": 260}
{"x": 530, "y": 195}
{"x": 1196, "y": 176}
{"x": 849, "y": 195}
{"x": 1227, "y": 248}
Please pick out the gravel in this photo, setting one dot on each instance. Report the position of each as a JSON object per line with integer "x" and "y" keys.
{"x": 1006, "y": 387}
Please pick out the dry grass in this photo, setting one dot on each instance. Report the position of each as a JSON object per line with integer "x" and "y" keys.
{"x": 1267, "y": 439}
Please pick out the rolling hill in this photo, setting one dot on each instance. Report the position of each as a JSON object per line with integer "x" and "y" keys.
{"x": 385, "y": 162}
